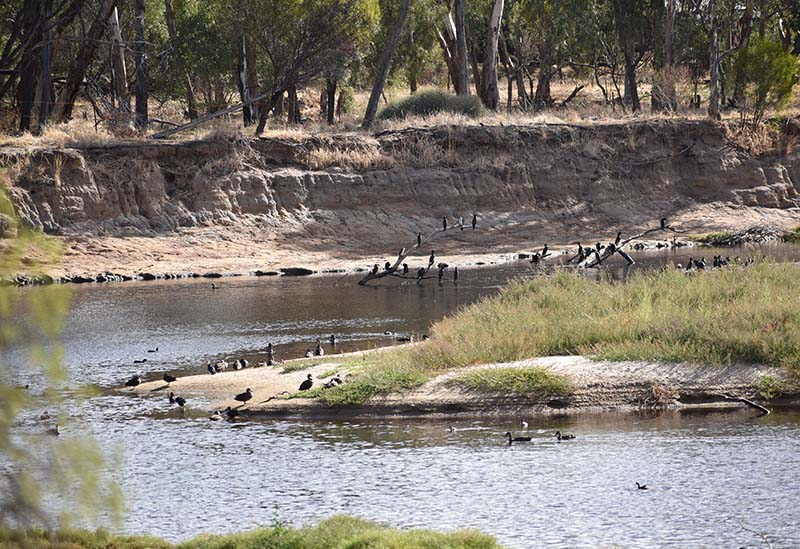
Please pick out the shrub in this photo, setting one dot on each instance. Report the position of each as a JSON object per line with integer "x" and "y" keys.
{"x": 428, "y": 102}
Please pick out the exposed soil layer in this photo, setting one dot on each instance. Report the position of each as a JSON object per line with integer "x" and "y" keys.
{"x": 596, "y": 386}
{"x": 259, "y": 205}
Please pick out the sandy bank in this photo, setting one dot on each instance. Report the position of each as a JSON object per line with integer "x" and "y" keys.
{"x": 597, "y": 386}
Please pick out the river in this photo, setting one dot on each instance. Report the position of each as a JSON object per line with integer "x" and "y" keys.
{"x": 714, "y": 478}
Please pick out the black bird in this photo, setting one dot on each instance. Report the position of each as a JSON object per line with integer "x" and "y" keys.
{"x": 619, "y": 237}
{"x": 474, "y": 221}
{"x": 455, "y": 276}
{"x": 420, "y": 273}
{"x": 663, "y": 223}
{"x": 269, "y": 350}
{"x": 333, "y": 382}
{"x": 332, "y": 339}
{"x": 598, "y": 247}
{"x": 544, "y": 250}
{"x": 432, "y": 258}
{"x": 700, "y": 265}
{"x": 180, "y": 401}
{"x": 565, "y": 436}
{"x": 641, "y": 486}
{"x": 535, "y": 258}
{"x": 387, "y": 266}
{"x": 169, "y": 378}
{"x": 441, "y": 274}
{"x": 309, "y": 353}
{"x": 152, "y": 350}
{"x": 306, "y": 385}
{"x": 133, "y": 382}
{"x": 512, "y": 439}
{"x": 213, "y": 286}
{"x": 319, "y": 351}
{"x": 375, "y": 269}
{"x": 419, "y": 240}
{"x": 211, "y": 369}
{"x": 444, "y": 223}
{"x": 405, "y": 268}
{"x": 597, "y": 257}
{"x": 244, "y": 397}
{"x": 231, "y": 413}
{"x": 142, "y": 361}
{"x": 689, "y": 265}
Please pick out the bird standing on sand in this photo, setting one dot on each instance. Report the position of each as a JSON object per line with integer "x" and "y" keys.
{"x": 420, "y": 273}
{"x": 211, "y": 369}
{"x": 306, "y": 385}
{"x": 133, "y": 382}
{"x": 455, "y": 276}
{"x": 663, "y": 223}
{"x": 432, "y": 258}
{"x": 169, "y": 378}
{"x": 244, "y": 397}
{"x": 444, "y": 223}
{"x": 474, "y": 221}
{"x": 419, "y": 240}
{"x": 269, "y": 350}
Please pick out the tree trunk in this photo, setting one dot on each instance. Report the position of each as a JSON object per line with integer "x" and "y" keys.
{"x": 473, "y": 59}
{"x": 383, "y": 66}
{"x": 490, "y": 93}
{"x": 461, "y": 77}
{"x": 119, "y": 73}
{"x": 45, "y": 82}
{"x": 713, "y": 39}
{"x": 191, "y": 103}
{"x": 242, "y": 82}
{"x": 448, "y": 43}
{"x": 330, "y": 91}
{"x": 663, "y": 97}
{"x": 141, "y": 65}
{"x": 631, "y": 88}
{"x": 292, "y": 108}
{"x": 31, "y": 37}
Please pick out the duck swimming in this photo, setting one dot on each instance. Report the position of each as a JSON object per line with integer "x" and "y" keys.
{"x": 512, "y": 439}
{"x": 565, "y": 436}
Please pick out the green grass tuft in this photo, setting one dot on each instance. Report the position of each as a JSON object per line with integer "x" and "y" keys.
{"x": 428, "y": 102}
{"x": 792, "y": 236}
{"x": 530, "y": 381}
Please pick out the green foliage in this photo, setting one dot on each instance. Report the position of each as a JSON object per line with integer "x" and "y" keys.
{"x": 530, "y": 381}
{"x": 428, "y": 102}
{"x": 40, "y": 465}
{"x": 792, "y": 236}
{"x": 768, "y": 72}
{"x": 334, "y": 533}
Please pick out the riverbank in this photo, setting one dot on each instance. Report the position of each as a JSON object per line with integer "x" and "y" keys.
{"x": 341, "y": 203}
{"x": 655, "y": 340}
{"x": 335, "y": 532}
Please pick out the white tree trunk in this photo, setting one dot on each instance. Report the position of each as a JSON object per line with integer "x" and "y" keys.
{"x": 490, "y": 93}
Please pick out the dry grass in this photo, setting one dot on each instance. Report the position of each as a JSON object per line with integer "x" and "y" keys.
{"x": 359, "y": 159}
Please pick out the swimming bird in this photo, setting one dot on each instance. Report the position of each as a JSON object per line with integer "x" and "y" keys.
{"x": 405, "y": 268}
{"x": 451, "y": 429}
{"x": 641, "y": 486}
{"x": 169, "y": 378}
{"x": 231, "y": 413}
{"x": 474, "y": 221}
{"x": 152, "y": 350}
{"x": 244, "y": 397}
{"x": 142, "y": 361}
{"x": 663, "y": 223}
{"x": 565, "y": 436}
{"x": 512, "y": 439}
{"x": 133, "y": 382}
{"x": 306, "y": 385}
{"x": 54, "y": 431}
{"x": 211, "y": 369}
{"x": 444, "y": 223}
{"x": 180, "y": 401}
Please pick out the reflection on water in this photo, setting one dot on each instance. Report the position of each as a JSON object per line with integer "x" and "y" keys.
{"x": 712, "y": 478}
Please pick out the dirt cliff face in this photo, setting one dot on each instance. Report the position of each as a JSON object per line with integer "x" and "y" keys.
{"x": 143, "y": 205}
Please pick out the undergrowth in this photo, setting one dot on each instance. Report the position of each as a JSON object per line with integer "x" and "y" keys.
{"x": 530, "y": 381}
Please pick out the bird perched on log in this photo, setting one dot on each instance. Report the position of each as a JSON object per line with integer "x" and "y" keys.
{"x": 133, "y": 382}
{"x": 387, "y": 266}
{"x": 169, "y": 378}
{"x": 474, "y": 221}
{"x": 375, "y": 269}
{"x": 544, "y": 250}
{"x": 432, "y": 258}
{"x": 244, "y": 397}
{"x": 663, "y": 223}
{"x": 307, "y": 384}
{"x": 444, "y": 223}
{"x": 618, "y": 239}
{"x": 405, "y": 268}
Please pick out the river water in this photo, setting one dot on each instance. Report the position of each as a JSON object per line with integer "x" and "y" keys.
{"x": 714, "y": 478}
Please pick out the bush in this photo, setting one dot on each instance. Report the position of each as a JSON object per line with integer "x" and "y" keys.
{"x": 428, "y": 102}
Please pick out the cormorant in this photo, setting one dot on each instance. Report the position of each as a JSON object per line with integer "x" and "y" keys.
{"x": 169, "y": 378}
{"x": 517, "y": 439}
{"x": 142, "y": 361}
{"x": 641, "y": 486}
{"x": 619, "y": 237}
{"x": 306, "y": 385}
{"x": 244, "y": 397}
{"x": 689, "y": 265}
{"x": 663, "y": 223}
{"x": 598, "y": 246}
{"x": 535, "y": 258}
{"x": 544, "y": 250}
{"x": 269, "y": 350}
{"x": 405, "y": 268}
{"x": 152, "y": 350}
{"x": 375, "y": 269}
{"x": 420, "y": 273}
{"x": 133, "y": 382}
{"x": 444, "y": 223}
{"x": 432, "y": 258}
{"x": 387, "y": 266}
{"x": 455, "y": 276}
{"x": 474, "y": 221}
{"x": 565, "y": 436}
{"x": 332, "y": 339}
{"x": 419, "y": 240}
